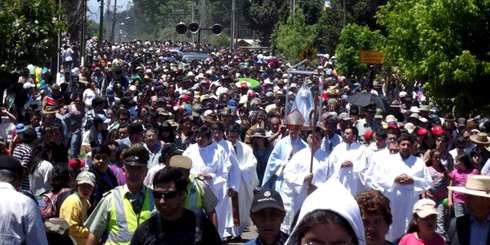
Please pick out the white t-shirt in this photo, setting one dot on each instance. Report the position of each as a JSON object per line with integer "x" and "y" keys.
{"x": 88, "y": 96}
{"x": 39, "y": 179}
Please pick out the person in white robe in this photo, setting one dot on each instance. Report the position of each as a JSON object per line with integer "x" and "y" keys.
{"x": 300, "y": 179}
{"x": 210, "y": 161}
{"x": 349, "y": 161}
{"x": 233, "y": 180}
{"x": 249, "y": 181}
{"x": 283, "y": 152}
{"x": 401, "y": 177}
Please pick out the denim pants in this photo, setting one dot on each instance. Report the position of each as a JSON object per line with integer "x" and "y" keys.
{"x": 459, "y": 209}
{"x": 75, "y": 143}
{"x": 442, "y": 219}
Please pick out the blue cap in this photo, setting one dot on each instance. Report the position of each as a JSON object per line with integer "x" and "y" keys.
{"x": 20, "y": 128}
{"x": 232, "y": 104}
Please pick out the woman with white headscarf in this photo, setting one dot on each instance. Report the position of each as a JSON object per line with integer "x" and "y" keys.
{"x": 329, "y": 215}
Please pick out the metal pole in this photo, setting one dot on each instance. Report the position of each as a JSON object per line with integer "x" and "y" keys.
{"x": 343, "y": 3}
{"x": 232, "y": 28}
{"x": 193, "y": 18}
{"x": 59, "y": 42}
{"x": 101, "y": 24}
{"x": 84, "y": 31}
{"x": 113, "y": 33}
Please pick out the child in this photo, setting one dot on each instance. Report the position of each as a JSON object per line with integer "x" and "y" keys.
{"x": 438, "y": 191}
{"x": 462, "y": 169}
{"x": 74, "y": 208}
{"x": 422, "y": 228}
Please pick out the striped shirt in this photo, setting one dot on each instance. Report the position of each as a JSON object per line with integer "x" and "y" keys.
{"x": 22, "y": 152}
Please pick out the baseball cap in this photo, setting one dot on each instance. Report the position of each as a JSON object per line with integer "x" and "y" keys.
{"x": 179, "y": 161}
{"x": 266, "y": 199}
{"x": 20, "y": 128}
{"x": 135, "y": 161}
{"x": 76, "y": 163}
{"x": 86, "y": 177}
{"x": 424, "y": 207}
{"x": 11, "y": 164}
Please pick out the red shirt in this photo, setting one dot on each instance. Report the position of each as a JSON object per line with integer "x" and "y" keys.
{"x": 412, "y": 239}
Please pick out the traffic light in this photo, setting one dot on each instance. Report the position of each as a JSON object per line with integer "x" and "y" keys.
{"x": 216, "y": 29}
{"x": 194, "y": 27}
{"x": 181, "y": 28}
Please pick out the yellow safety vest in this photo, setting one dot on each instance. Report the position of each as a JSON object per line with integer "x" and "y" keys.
{"x": 123, "y": 221}
{"x": 193, "y": 198}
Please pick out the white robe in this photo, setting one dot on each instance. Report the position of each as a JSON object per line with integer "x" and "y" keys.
{"x": 233, "y": 182}
{"x": 350, "y": 177}
{"x": 402, "y": 197}
{"x": 213, "y": 160}
{"x": 249, "y": 181}
{"x": 294, "y": 190}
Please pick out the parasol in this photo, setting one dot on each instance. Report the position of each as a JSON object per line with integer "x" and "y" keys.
{"x": 364, "y": 99}
{"x": 251, "y": 83}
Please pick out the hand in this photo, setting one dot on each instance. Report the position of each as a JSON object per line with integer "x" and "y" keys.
{"x": 308, "y": 178}
{"x": 232, "y": 193}
{"x": 346, "y": 164}
{"x": 205, "y": 176}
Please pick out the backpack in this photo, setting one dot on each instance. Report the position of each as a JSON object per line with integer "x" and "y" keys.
{"x": 52, "y": 203}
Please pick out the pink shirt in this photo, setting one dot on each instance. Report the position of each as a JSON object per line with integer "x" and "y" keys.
{"x": 412, "y": 239}
{"x": 459, "y": 179}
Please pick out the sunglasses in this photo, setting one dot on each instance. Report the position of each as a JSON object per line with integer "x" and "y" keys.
{"x": 167, "y": 195}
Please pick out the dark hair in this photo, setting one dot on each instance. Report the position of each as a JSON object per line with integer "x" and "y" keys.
{"x": 235, "y": 128}
{"x": 60, "y": 178}
{"x": 171, "y": 174}
{"x": 382, "y": 133}
{"x": 205, "y": 131}
{"x": 394, "y": 131}
{"x": 322, "y": 217}
{"x": 28, "y": 136}
{"x": 136, "y": 150}
{"x": 372, "y": 202}
{"x": 101, "y": 149}
{"x": 167, "y": 152}
{"x": 354, "y": 130}
{"x": 466, "y": 159}
{"x": 412, "y": 226}
{"x": 218, "y": 127}
{"x": 405, "y": 136}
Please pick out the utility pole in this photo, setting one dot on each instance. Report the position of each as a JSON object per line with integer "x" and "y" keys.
{"x": 233, "y": 25}
{"x": 101, "y": 24}
{"x": 113, "y": 30}
{"x": 292, "y": 7}
{"x": 84, "y": 31}
{"x": 193, "y": 17}
{"x": 343, "y": 22}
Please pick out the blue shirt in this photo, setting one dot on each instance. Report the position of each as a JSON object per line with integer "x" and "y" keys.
{"x": 479, "y": 231}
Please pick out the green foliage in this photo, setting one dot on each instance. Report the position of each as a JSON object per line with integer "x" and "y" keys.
{"x": 446, "y": 45}
{"x": 28, "y": 31}
{"x": 262, "y": 16}
{"x": 294, "y": 36}
{"x": 353, "y": 39}
{"x": 220, "y": 41}
{"x": 328, "y": 31}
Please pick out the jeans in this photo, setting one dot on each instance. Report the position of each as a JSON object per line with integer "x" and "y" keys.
{"x": 459, "y": 209}
{"x": 442, "y": 219}
{"x": 75, "y": 143}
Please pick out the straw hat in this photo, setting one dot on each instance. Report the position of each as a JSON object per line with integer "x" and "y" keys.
{"x": 179, "y": 161}
{"x": 480, "y": 138}
{"x": 476, "y": 185}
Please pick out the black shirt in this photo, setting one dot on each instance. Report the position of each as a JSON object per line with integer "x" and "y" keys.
{"x": 183, "y": 231}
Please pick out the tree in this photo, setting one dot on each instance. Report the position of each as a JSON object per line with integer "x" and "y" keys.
{"x": 328, "y": 31}
{"x": 262, "y": 16}
{"x": 28, "y": 30}
{"x": 444, "y": 44}
{"x": 294, "y": 37}
{"x": 353, "y": 39}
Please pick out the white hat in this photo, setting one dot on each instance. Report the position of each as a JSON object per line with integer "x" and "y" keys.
{"x": 424, "y": 207}
{"x": 410, "y": 127}
{"x": 28, "y": 85}
{"x": 476, "y": 185}
{"x": 180, "y": 162}
{"x": 86, "y": 177}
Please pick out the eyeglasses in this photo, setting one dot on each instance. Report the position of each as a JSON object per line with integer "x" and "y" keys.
{"x": 166, "y": 195}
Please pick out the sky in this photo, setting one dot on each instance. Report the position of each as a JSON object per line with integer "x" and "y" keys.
{"x": 93, "y": 6}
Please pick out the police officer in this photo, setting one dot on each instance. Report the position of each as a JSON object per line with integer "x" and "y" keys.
{"x": 122, "y": 209}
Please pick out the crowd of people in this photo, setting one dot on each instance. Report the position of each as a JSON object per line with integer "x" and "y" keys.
{"x": 141, "y": 146}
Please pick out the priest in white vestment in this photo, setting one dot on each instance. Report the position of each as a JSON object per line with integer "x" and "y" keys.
{"x": 401, "y": 177}
{"x": 283, "y": 152}
{"x": 300, "y": 179}
{"x": 349, "y": 161}
{"x": 210, "y": 161}
{"x": 233, "y": 180}
{"x": 248, "y": 175}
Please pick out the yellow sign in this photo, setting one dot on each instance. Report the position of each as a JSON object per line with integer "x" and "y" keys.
{"x": 371, "y": 57}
